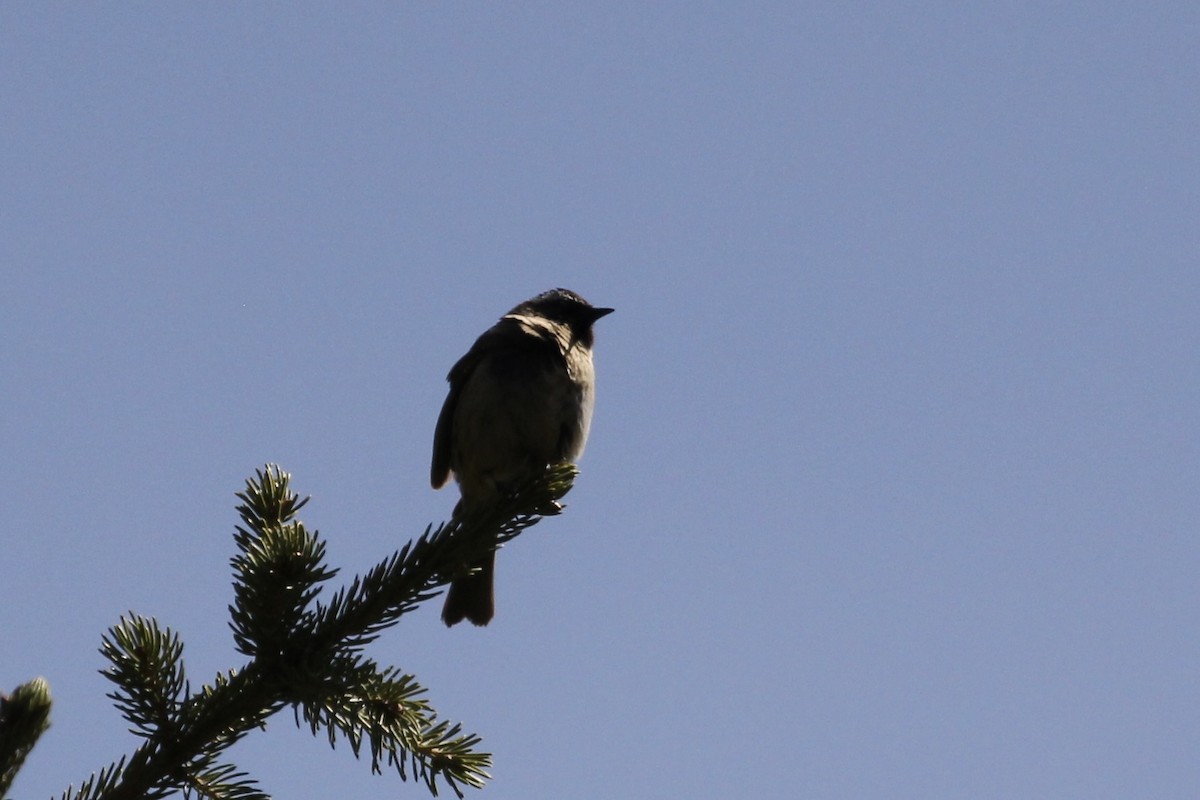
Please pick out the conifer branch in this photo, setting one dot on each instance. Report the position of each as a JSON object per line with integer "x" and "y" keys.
{"x": 303, "y": 653}
{"x": 24, "y": 717}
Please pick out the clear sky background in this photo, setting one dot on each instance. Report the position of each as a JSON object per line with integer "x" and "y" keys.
{"x": 892, "y": 484}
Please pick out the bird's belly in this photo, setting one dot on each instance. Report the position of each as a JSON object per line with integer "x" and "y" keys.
{"x": 508, "y": 426}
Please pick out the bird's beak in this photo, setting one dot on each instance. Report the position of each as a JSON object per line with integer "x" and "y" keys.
{"x": 597, "y": 313}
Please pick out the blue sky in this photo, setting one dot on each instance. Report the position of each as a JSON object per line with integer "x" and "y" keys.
{"x": 891, "y": 490}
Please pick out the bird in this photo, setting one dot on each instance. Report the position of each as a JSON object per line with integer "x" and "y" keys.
{"x": 520, "y": 399}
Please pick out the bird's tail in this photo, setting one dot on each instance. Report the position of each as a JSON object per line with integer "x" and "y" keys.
{"x": 472, "y": 597}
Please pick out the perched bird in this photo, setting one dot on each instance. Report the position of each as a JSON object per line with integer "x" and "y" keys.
{"x": 520, "y": 399}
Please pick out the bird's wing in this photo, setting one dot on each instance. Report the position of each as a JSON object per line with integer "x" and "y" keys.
{"x": 443, "y": 434}
{"x": 511, "y": 333}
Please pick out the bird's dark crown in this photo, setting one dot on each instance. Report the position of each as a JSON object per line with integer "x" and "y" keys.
{"x": 565, "y": 306}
